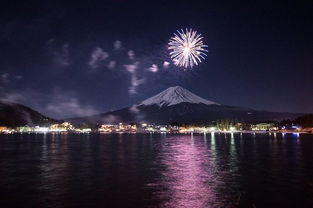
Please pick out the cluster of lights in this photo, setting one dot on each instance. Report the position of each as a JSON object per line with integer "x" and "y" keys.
{"x": 149, "y": 128}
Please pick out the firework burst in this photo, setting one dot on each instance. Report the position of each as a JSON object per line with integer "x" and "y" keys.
{"x": 187, "y": 48}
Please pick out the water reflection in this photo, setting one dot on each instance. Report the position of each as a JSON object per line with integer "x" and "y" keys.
{"x": 153, "y": 170}
{"x": 187, "y": 180}
{"x": 232, "y": 142}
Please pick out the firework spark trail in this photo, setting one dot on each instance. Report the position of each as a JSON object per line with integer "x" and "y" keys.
{"x": 187, "y": 48}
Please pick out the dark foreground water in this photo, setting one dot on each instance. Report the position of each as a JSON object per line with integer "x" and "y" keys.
{"x": 158, "y": 170}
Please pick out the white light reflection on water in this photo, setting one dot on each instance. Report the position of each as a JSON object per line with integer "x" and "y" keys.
{"x": 232, "y": 142}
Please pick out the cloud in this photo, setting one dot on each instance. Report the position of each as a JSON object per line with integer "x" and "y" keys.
{"x": 18, "y": 77}
{"x": 4, "y": 78}
{"x": 61, "y": 56}
{"x": 66, "y": 104}
{"x": 139, "y": 116}
{"x": 131, "y": 54}
{"x": 70, "y": 107}
{"x": 131, "y": 67}
{"x": 96, "y": 57}
{"x": 166, "y": 64}
{"x": 117, "y": 45}
{"x": 153, "y": 68}
{"x": 134, "y": 80}
{"x": 50, "y": 43}
{"x": 134, "y": 109}
{"x": 111, "y": 119}
{"x": 112, "y": 64}
{"x": 13, "y": 97}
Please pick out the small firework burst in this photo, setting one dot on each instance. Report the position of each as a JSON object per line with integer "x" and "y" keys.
{"x": 187, "y": 48}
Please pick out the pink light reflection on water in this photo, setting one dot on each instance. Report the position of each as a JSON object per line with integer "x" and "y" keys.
{"x": 187, "y": 180}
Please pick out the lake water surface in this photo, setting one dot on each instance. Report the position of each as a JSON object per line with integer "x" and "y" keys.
{"x": 156, "y": 170}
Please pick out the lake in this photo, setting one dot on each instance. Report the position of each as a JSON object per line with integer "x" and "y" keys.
{"x": 156, "y": 170}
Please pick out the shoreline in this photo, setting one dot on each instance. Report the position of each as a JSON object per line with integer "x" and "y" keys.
{"x": 163, "y": 132}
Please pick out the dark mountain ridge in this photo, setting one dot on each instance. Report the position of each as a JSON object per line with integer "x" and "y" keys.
{"x": 13, "y": 115}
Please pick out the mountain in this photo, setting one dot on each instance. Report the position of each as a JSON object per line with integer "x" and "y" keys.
{"x": 178, "y": 105}
{"x": 13, "y": 114}
{"x": 174, "y": 96}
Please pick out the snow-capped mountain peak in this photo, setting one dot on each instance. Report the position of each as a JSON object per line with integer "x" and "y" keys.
{"x": 175, "y": 95}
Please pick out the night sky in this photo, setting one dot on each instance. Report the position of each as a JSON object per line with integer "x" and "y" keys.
{"x": 87, "y": 57}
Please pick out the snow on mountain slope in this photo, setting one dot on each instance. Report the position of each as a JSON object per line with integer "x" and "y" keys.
{"x": 175, "y": 95}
